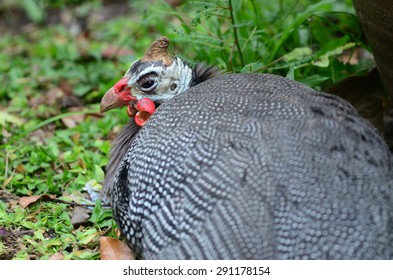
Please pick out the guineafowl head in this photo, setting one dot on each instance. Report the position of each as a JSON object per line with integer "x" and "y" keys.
{"x": 153, "y": 79}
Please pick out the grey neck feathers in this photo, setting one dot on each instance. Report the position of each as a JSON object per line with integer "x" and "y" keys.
{"x": 204, "y": 72}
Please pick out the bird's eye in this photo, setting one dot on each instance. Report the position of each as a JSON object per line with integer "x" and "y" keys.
{"x": 147, "y": 83}
{"x": 173, "y": 86}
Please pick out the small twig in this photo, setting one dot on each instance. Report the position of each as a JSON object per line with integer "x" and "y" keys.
{"x": 249, "y": 38}
{"x": 71, "y": 203}
{"x": 266, "y": 66}
{"x": 284, "y": 18}
{"x": 239, "y": 49}
{"x": 223, "y": 7}
{"x": 77, "y": 204}
{"x": 221, "y": 16}
{"x": 7, "y": 180}
{"x": 6, "y": 166}
{"x": 254, "y": 6}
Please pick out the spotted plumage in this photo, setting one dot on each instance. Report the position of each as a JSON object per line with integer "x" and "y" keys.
{"x": 248, "y": 166}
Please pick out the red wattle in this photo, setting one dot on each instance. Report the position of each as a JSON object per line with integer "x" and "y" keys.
{"x": 146, "y": 108}
{"x": 139, "y": 121}
{"x": 146, "y": 104}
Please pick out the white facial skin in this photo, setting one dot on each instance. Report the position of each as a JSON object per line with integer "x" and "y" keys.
{"x": 158, "y": 81}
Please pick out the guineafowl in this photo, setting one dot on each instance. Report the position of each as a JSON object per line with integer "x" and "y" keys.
{"x": 249, "y": 166}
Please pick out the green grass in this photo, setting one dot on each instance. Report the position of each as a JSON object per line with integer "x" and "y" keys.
{"x": 302, "y": 40}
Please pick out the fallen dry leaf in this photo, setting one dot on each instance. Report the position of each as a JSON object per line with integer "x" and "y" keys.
{"x": 20, "y": 168}
{"x": 66, "y": 87}
{"x": 80, "y": 215}
{"x": 56, "y": 256}
{"x": 25, "y": 201}
{"x": 113, "y": 249}
{"x": 354, "y": 56}
{"x": 72, "y": 121}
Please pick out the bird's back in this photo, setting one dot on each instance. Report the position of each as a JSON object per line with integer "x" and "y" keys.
{"x": 256, "y": 166}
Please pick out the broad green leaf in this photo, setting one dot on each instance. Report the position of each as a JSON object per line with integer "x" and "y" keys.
{"x": 53, "y": 148}
{"x": 291, "y": 73}
{"x": 39, "y": 235}
{"x": 98, "y": 173}
{"x": 88, "y": 236}
{"x": 322, "y": 61}
{"x": 297, "y": 54}
{"x": 33, "y": 9}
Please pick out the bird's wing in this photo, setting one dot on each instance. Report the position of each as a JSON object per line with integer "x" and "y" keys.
{"x": 256, "y": 166}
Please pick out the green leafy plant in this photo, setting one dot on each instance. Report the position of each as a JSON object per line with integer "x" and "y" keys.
{"x": 263, "y": 36}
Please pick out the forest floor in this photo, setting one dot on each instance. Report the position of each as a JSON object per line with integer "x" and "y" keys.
{"x": 54, "y": 141}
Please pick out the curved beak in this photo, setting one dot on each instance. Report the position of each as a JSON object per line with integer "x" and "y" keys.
{"x": 110, "y": 101}
{"x": 117, "y": 96}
